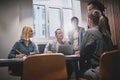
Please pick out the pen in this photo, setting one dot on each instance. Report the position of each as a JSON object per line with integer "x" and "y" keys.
{"x": 18, "y": 51}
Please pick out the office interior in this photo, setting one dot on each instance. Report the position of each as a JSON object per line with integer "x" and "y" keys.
{"x": 14, "y": 14}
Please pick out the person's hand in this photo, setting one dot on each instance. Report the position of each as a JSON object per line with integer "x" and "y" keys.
{"x": 20, "y": 55}
{"x": 77, "y": 53}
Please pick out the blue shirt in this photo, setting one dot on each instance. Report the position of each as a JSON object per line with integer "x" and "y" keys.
{"x": 20, "y": 46}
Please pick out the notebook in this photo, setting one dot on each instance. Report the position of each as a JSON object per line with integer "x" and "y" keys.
{"x": 66, "y": 49}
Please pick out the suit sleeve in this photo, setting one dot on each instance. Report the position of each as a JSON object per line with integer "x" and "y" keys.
{"x": 88, "y": 45}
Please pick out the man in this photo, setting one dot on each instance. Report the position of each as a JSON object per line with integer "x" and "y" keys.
{"x": 92, "y": 47}
{"x": 54, "y": 45}
{"x": 75, "y": 36}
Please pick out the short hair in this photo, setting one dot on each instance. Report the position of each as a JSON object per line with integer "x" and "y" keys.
{"x": 94, "y": 15}
{"x": 25, "y": 32}
{"x": 57, "y": 30}
{"x": 74, "y": 18}
{"x": 97, "y": 4}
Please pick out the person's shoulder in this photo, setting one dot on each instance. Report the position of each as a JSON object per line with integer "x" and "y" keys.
{"x": 51, "y": 41}
{"x": 19, "y": 41}
{"x": 91, "y": 31}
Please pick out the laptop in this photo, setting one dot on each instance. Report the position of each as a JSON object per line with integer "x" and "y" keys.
{"x": 66, "y": 49}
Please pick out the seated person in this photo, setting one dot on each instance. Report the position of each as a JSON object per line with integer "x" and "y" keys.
{"x": 54, "y": 45}
{"x": 24, "y": 46}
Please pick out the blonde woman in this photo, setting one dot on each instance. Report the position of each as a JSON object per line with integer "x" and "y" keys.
{"x": 24, "y": 46}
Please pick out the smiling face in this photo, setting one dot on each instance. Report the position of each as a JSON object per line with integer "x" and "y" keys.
{"x": 27, "y": 33}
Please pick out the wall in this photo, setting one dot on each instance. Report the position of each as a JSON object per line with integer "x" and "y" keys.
{"x": 13, "y": 15}
{"x": 113, "y": 13}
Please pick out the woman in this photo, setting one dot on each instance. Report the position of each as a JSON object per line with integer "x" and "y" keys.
{"x": 24, "y": 46}
{"x": 104, "y": 22}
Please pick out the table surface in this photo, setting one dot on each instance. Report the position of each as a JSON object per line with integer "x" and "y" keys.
{"x": 19, "y": 62}
{"x": 9, "y": 62}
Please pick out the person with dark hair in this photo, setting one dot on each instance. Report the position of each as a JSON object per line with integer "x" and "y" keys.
{"x": 53, "y": 46}
{"x": 75, "y": 36}
{"x": 104, "y": 23}
{"x": 95, "y": 4}
{"x": 92, "y": 47}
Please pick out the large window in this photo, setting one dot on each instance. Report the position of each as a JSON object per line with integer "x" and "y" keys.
{"x": 67, "y": 14}
{"x": 52, "y": 14}
{"x": 39, "y": 21}
{"x": 54, "y": 20}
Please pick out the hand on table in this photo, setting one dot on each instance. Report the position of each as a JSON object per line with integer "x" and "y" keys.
{"x": 77, "y": 53}
{"x": 21, "y": 55}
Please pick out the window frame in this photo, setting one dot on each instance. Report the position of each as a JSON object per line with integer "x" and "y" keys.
{"x": 44, "y": 40}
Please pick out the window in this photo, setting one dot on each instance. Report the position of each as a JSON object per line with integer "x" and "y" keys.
{"x": 67, "y": 14}
{"x": 54, "y": 20}
{"x": 52, "y": 14}
{"x": 39, "y": 21}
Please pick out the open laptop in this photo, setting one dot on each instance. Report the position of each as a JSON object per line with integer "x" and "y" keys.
{"x": 66, "y": 49}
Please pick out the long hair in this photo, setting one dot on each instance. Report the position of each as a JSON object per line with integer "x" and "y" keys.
{"x": 25, "y": 32}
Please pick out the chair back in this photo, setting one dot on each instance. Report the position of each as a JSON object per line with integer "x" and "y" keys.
{"x": 45, "y": 67}
{"x": 110, "y": 65}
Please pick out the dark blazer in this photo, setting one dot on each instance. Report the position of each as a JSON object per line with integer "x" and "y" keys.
{"x": 92, "y": 46}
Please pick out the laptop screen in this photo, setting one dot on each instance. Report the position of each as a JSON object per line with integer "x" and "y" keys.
{"x": 66, "y": 49}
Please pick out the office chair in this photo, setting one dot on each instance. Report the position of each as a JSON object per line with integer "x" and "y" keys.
{"x": 45, "y": 67}
{"x": 110, "y": 65}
